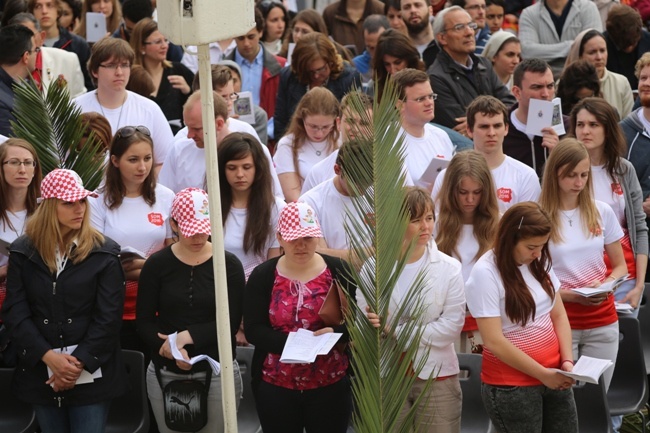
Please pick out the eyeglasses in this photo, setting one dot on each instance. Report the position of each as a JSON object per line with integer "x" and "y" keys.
{"x": 317, "y": 128}
{"x": 475, "y": 7}
{"x": 232, "y": 96}
{"x": 421, "y": 99}
{"x": 320, "y": 70}
{"x": 114, "y": 66}
{"x": 461, "y": 27}
{"x": 16, "y": 163}
{"x": 128, "y": 131}
{"x": 157, "y": 42}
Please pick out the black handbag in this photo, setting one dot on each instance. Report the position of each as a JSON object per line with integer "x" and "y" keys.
{"x": 185, "y": 402}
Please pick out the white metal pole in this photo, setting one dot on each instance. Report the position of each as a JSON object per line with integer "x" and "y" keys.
{"x": 218, "y": 256}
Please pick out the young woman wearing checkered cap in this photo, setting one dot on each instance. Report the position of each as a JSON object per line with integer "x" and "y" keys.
{"x": 65, "y": 294}
{"x": 283, "y": 295}
{"x": 176, "y": 294}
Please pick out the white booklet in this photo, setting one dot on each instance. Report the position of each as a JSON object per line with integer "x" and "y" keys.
{"x": 302, "y": 347}
{"x": 588, "y": 369}
{"x": 432, "y": 171}
{"x": 85, "y": 376}
{"x": 216, "y": 367}
{"x": 95, "y": 26}
{"x": 543, "y": 114}
{"x": 606, "y": 287}
{"x": 624, "y": 308}
{"x": 243, "y": 107}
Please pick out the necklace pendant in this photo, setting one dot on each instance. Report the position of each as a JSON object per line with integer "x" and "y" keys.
{"x": 318, "y": 152}
{"x": 570, "y": 223}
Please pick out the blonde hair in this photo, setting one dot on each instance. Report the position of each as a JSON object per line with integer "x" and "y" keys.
{"x": 318, "y": 101}
{"x": 44, "y": 231}
{"x": 564, "y": 158}
{"x": 469, "y": 164}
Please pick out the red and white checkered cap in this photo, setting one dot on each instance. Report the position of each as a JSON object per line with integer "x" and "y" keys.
{"x": 191, "y": 212}
{"x": 65, "y": 185}
{"x": 298, "y": 220}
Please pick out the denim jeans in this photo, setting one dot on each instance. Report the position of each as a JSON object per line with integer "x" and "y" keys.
{"x": 530, "y": 409}
{"x": 89, "y": 418}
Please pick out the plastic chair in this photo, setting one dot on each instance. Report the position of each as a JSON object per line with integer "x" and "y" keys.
{"x": 628, "y": 392}
{"x": 593, "y": 411}
{"x": 130, "y": 413}
{"x": 247, "y": 420}
{"x": 15, "y": 416}
{"x": 644, "y": 323}
{"x": 474, "y": 417}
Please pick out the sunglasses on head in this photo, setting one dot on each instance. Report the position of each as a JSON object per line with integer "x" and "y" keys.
{"x": 128, "y": 131}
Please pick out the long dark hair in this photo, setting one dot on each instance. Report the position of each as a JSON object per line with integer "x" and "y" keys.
{"x": 396, "y": 44}
{"x": 238, "y": 146}
{"x": 523, "y": 221}
{"x": 615, "y": 144}
{"x": 114, "y": 189}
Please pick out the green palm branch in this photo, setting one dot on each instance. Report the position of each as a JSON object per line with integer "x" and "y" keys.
{"x": 384, "y": 372}
{"x": 52, "y": 123}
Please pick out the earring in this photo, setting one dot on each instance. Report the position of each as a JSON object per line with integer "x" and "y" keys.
{"x": 143, "y": 53}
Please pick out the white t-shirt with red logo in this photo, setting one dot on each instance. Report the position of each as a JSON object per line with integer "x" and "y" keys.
{"x": 134, "y": 223}
{"x": 514, "y": 182}
{"x": 486, "y": 298}
{"x": 579, "y": 260}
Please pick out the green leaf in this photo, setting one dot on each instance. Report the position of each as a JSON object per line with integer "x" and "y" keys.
{"x": 54, "y": 126}
{"x": 385, "y": 367}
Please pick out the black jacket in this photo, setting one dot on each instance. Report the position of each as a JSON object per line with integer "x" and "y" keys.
{"x": 78, "y": 45}
{"x": 638, "y": 145}
{"x": 82, "y": 306}
{"x": 256, "y": 310}
{"x": 517, "y": 145}
{"x": 6, "y": 103}
{"x": 456, "y": 88}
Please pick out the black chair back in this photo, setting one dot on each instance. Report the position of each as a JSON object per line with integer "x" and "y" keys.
{"x": 15, "y": 416}
{"x": 130, "y": 413}
{"x": 474, "y": 418}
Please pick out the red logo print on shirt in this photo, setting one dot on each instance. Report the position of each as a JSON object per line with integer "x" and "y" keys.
{"x": 156, "y": 219}
{"x": 617, "y": 189}
{"x": 504, "y": 194}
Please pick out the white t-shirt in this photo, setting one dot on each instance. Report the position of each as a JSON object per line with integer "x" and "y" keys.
{"x": 233, "y": 236}
{"x": 309, "y": 154}
{"x": 578, "y": 260}
{"x": 467, "y": 248}
{"x": 320, "y": 172}
{"x": 136, "y": 111}
{"x": 514, "y": 182}
{"x": 332, "y": 210}
{"x": 419, "y": 151}
{"x": 185, "y": 164}
{"x": 486, "y": 298}
{"x": 8, "y": 235}
{"x": 134, "y": 223}
{"x": 609, "y": 192}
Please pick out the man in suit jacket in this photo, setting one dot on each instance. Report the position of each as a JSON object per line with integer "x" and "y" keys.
{"x": 52, "y": 63}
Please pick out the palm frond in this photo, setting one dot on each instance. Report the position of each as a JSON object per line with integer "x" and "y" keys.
{"x": 53, "y": 125}
{"x": 385, "y": 367}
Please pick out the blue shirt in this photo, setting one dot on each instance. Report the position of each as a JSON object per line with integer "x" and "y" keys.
{"x": 481, "y": 39}
{"x": 362, "y": 62}
{"x": 251, "y": 79}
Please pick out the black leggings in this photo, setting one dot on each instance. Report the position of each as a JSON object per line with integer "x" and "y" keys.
{"x": 321, "y": 410}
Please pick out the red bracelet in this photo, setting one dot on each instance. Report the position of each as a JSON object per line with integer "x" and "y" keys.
{"x": 568, "y": 360}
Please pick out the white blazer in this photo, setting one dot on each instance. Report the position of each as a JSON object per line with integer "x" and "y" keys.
{"x": 60, "y": 62}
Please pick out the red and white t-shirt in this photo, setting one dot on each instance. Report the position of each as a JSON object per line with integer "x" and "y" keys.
{"x": 611, "y": 192}
{"x": 579, "y": 260}
{"x": 486, "y": 298}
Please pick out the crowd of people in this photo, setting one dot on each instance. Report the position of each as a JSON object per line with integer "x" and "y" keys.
{"x": 85, "y": 273}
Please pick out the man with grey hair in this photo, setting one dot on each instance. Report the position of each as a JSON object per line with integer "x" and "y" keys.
{"x": 373, "y": 27}
{"x": 52, "y": 63}
{"x": 457, "y": 75}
